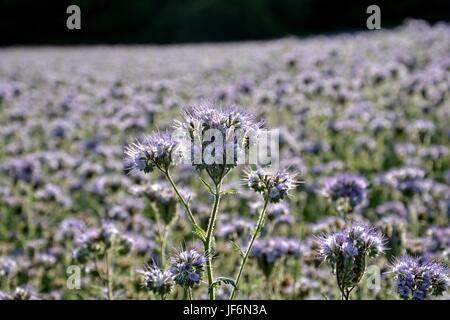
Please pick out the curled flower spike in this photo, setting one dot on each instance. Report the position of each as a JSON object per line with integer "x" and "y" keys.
{"x": 159, "y": 150}
{"x": 418, "y": 278}
{"x": 187, "y": 268}
{"x": 274, "y": 187}
{"x": 346, "y": 252}
{"x": 157, "y": 281}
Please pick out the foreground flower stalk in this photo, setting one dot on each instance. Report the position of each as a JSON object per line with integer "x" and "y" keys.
{"x": 209, "y": 240}
{"x": 256, "y": 232}
{"x": 347, "y": 251}
{"x": 274, "y": 188}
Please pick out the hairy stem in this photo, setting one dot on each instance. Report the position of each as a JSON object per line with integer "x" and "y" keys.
{"x": 163, "y": 234}
{"x": 209, "y": 239}
{"x": 183, "y": 201}
{"x": 249, "y": 247}
{"x": 189, "y": 293}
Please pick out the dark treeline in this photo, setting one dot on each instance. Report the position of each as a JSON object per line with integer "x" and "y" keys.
{"x": 174, "y": 21}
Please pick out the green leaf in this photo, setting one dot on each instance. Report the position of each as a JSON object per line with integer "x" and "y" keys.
{"x": 226, "y": 280}
{"x": 207, "y": 186}
{"x": 237, "y": 248}
{"x": 221, "y": 280}
{"x": 229, "y": 192}
{"x": 200, "y": 233}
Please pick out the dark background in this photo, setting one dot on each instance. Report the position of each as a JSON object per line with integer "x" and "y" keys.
{"x": 175, "y": 21}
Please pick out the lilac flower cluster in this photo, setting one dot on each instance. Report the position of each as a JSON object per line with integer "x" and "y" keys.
{"x": 406, "y": 179}
{"x": 418, "y": 278}
{"x": 274, "y": 187}
{"x": 268, "y": 251}
{"x": 159, "y": 150}
{"x": 187, "y": 268}
{"x": 96, "y": 242}
{"x": 158, "y": 281}
{"x": 346, "y": 252}
{"x": 348, "y": 192}
{"x": 236, "y": 127}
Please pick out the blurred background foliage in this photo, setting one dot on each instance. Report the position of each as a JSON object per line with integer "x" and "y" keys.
{"x": 177, "y": 21}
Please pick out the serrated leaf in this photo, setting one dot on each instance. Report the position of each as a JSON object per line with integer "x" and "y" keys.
{"x": 207, "y": 186}
{"x": 237, "y": 248}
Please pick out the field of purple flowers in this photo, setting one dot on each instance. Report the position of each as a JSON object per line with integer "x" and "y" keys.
{"x": 360, "y": 208}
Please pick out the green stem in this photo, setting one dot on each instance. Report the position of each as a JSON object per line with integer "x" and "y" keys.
{"x": 189, "y": 293}
{"x": 249, "y": 248}
{"x": 163, "y": 247}
{"x": 162, "y": 231}
{"x": 209, "y": 239}
{"x": 183, "y": 201}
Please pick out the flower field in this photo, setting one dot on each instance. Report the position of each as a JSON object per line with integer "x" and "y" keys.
{"x": 96, "y": 201}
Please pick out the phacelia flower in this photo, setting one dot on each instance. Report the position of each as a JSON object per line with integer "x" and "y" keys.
{"x": 418, "y": 278}
{"x": 69, "y": 229}
{"x": 8, "y": 267}
{"x": 347, "y": 191}
{"x": 346, "y": 253}
{"x": 95, "y": 242}
{"x": 160, "y": 150}
{"x": 273, "y": 186}
{"x": 268, "y": 251}
{"x": 391, "y": 208}
{"x": 405, "y": 179}
{"x": 187, "y": 268}
{"x": 164, "y": 198}
{"x": 157, "y": 281}
{"x": 233, "y": 228}
{"x": 218, "y": 137}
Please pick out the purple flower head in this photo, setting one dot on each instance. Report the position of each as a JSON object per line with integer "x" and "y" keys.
{"x": 280, "y": 213}
{"x": 187, "y": 268}
{"x": 346, "y": 252}
{"x": 159, "y": 150}
{"x": 95, "y": 241}
{"x": 391, "y": 208}
{"x": 234, "y": 227}
{"x": 347, "y": 191}
{"x": 269, "y": 251}
{"x": 273, "y": 186}
{"x": 218, "y": 137}
{"x": 405, "y": 179}
{"x": 158, "y": 281}
{"x": 69, "y": 228}
{"x": 418, "y": 278}
{"x": 8, "y": 267}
